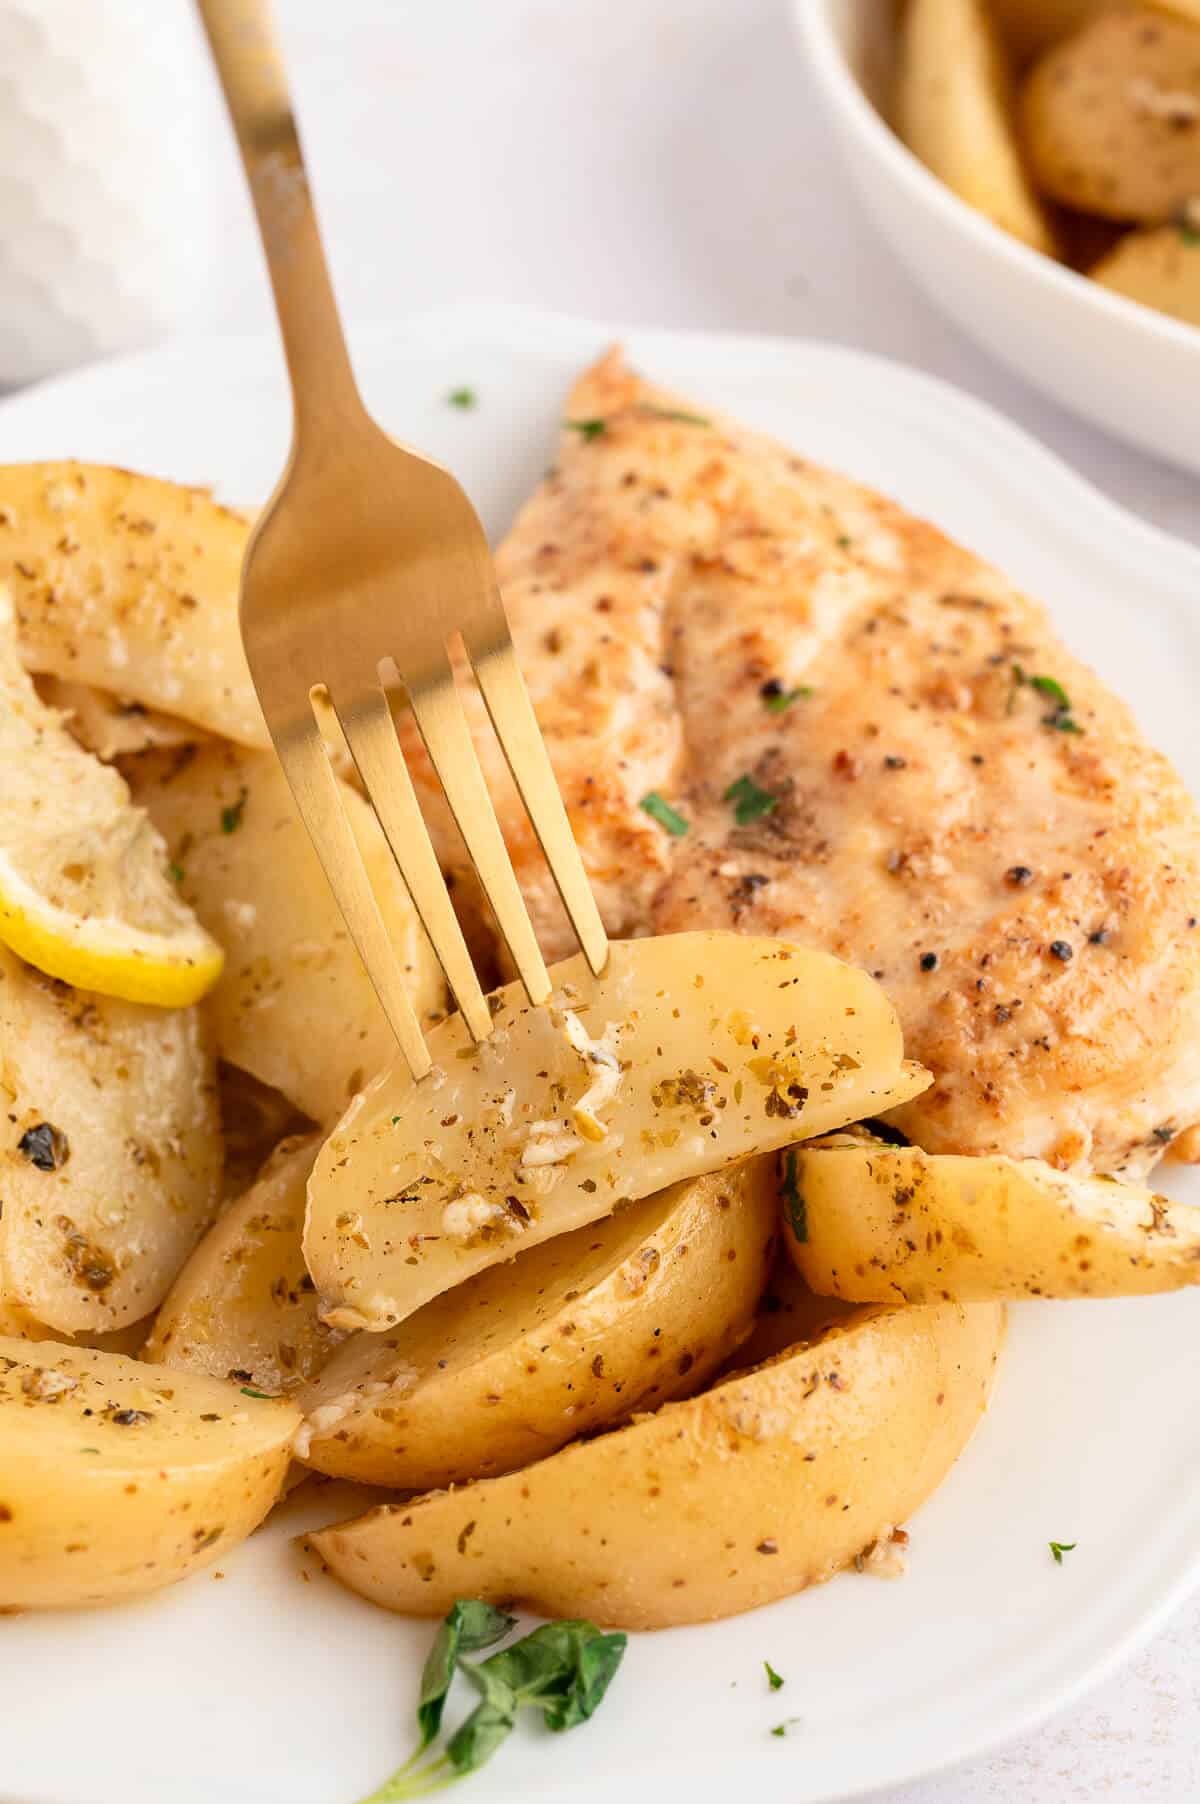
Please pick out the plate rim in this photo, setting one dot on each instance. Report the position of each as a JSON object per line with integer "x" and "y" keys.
{"x": 1176, "y": 568}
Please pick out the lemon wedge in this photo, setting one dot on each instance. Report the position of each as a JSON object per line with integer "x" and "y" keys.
{"x": 85, "y": 894}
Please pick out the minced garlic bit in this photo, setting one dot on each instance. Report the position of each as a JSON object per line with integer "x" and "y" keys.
{"x": 44, "y": 1383}
{"x": 602, "y": 1055}
{"x": 548, "y": 1143}
{"x": 467, "y": 1214}
{"x": 885, "y": 1558}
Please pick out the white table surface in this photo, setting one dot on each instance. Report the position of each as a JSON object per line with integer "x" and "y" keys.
{"x": 663, "y": 161}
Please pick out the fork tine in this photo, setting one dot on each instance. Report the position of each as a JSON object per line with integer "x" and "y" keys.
{"x": 371, "y": 736}
{"x": 306, "y": 765}
{"x": 511, "y": 711}
{"x": 439, "y": 715}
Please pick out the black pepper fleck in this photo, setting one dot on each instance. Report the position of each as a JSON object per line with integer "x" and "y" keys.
{"x": 929, "y": 961}
{"x": 1018, "y": 876}
{"x": 1063, "y": 952}
{"x": 45, "y": 1146}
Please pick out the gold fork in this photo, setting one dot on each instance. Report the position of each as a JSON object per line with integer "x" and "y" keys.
{"x": 366, "y": 563}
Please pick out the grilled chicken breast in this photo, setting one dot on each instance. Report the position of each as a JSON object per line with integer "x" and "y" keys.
{"x": 878, "y": 747}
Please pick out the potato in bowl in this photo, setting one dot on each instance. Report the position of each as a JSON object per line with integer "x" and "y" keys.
{"x": 1081, "y": 340}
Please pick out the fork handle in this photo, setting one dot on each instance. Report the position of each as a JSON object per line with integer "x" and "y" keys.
{"x": 246, "y": 52}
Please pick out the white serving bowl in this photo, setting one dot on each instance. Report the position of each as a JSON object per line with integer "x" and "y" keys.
{"x": 1122, "y": 365}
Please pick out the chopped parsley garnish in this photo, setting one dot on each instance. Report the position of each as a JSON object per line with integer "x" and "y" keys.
{"x": 1059, "y": 1548}
{"x": 175, "y": 871}
{"x": 1051, "y": 687}
{"x": 794, "y": 1206}
{"x": 782, "y": 1728}
{"x": 1060, "y": 719}
{"x": 465, "y": 398}
{"x": 1187, "y": 231}
{"x": 750, "y": 800}
{"x": 662, "y": 812}
{"x": 677, "y": 413}
{"x": 844, "y": 541}
{"x": 562, "y": 1669}
{"x": 587, "y": 429}
{"x": 774, "y": 1679}
{"x": 231, "y": 817}
{"x": 248, "y": 1391}
{"x": 776, "y": 698}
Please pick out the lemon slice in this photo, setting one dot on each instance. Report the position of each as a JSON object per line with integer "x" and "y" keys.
{"x": 84, "y": 889}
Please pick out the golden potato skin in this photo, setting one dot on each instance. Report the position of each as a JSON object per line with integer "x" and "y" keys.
{"x": 954, "y": 109}
{"x": 570, "y": 1337}
{"x": 1110, "y": 120}
{"x": 889, "y": 1223}
{"x": 294, "y": 1005}
{"x": 131, "y": 584}
{"x": 244, "y": 1306}
{"x": 117, "y": 1480}
{"x": 772, "y": 1481}
{"x": 1159, "y": 267}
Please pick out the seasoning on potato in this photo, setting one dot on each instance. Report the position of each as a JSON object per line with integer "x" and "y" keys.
{"x": 772, "y": 1481}
{"x": 581, "y": 1332}
{"x": 118, "y": 1479}
{"x": 244, "y": 1303}
{"x": 874, "y": 1223}
{"x": 688, "y": 1053}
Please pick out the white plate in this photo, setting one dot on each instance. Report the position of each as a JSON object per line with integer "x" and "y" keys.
{"x": 264, "y": 1689}
{"x": 1107, "y": 357}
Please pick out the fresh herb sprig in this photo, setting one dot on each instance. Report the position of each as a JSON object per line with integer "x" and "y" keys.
{"x": 1059, "y": 1548}
{"x": 587, "y": 429}
{"x": 562, "y": 1669}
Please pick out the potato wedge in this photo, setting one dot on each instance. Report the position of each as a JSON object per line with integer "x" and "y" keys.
{"x": 110, "y": 726}
{"x": 883, "y": 1223}
{"x": 699, "y": 1049}
{"x": 117, "y": 1480}
{"x": 954, "y": 110}
{"x": 294, "y": 1005}
{"x": 1110, "y": 120}
{"x": 130, "y": 584}
{"x": 1159, "y": 267}
{"x": 244, "y": 1306}
{"x": 772, "y": 1481}
{"x": 110, "y": 1165}
{"x": 576, "y": 1334}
